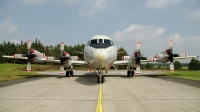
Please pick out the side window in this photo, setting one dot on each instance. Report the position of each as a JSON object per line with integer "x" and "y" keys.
{"x": 112, "y": 43}
{"x": 88, "y": 43}
{"x": 94, "y": 41}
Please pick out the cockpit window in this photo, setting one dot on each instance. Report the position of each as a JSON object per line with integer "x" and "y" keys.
{"x": 106, "y": 41}
{"x": 100, "y": 40}
{"x": 94, "y": 41}
{"x": 100, "y": 43}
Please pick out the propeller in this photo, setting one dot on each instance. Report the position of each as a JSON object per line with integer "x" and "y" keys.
{"x": 138, "y": 57}
{"x": 62, "y": 58}
{"x": 171, "y": 55}
{"x": 29, "y": 55}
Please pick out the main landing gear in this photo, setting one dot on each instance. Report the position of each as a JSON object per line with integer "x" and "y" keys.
{"x": 130, "y": 73}
{"x": 69, "y": 73}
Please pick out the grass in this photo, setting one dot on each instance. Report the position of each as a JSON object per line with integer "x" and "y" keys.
{"x": 192, "y": 75}
{"x": 16, "y": 71}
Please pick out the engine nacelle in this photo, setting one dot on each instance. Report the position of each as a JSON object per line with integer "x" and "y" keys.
{"x": 74, "y": 57}
{"x": 125, "y": 57}
{"x": 18, "y": 55}
{"x": 160, "y": 55}
{"x": 182, "y": 55}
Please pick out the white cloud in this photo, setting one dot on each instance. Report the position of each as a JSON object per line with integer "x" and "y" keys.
{"x": 16, "y": 41}
{"x": 93, "y": 6}
{"x": 153, "y": 40}
{"x": 160, "y": 3}
{"x": 6, "y": 26}
{"x": 139, "y": 32}
{"x": 194, "y": 15}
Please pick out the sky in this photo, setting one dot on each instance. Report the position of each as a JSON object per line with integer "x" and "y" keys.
{"x": 126, "y": 22}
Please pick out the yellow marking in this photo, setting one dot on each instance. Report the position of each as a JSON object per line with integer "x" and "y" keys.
{"x": 99, "y": 107}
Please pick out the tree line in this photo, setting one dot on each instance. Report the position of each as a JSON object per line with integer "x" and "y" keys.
{"x": 8, "y": 48}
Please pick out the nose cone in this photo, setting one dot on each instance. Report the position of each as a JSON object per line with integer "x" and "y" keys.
{"x": 100, "y": 56}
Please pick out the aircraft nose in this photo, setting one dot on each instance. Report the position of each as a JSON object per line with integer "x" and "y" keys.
{"x": 100, "y": 56}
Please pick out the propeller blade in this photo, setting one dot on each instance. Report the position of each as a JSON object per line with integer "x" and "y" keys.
{"x": 172, "y": 66}
{"x": 61, "y": 69}
{"x": 170, "y": 44}
{"x": 28, "y": 66}
{"x": 29, "y": 44}
{"x": 138, "y": 46}
{"x": 138, "y": 70}
{"x": 62, "y": 46}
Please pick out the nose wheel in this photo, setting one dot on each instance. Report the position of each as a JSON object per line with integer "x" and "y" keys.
{"x": 100, "y": 79}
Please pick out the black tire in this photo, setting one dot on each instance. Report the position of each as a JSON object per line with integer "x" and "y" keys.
{"x": 128, "y": 73}
{"x": 71, "y": 73}
{"x": 102, "y": 79}
{"x": 98, "y": 79}
{"x": 67, "y": 73}
{"x": 132, "y": 73}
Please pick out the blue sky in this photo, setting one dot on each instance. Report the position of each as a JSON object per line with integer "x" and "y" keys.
{"x": 151, "y": 22}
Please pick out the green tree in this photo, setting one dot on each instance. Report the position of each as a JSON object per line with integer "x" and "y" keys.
{"x": 159, "y": 66}
{"x": 149, "y": 66}
{"x": 194, "y": 64}
{"x": 121, "y": 52}
{"x": 177, "y": 65}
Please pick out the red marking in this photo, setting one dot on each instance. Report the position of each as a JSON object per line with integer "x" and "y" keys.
{"x": 42, "y": 54}
{"x": 152, "y": 58}
{"x": 77, "y": 57}
{"x": 168, "y": 51}
{"x": 185, "y": 55}
{"x": 28, "y": 70}
{"x": 122, "y": 57}
{"x": 135, "y": 53}
{"x": 61, "y": 73}
{"x": 64, "y": 53}
{"x": 62, "y": 43}
{"x": 46, "y": 58}
{"x": 14, "y": 55}
{"x": 29, "y": 41}
{"x": 32, "y": 60}
{"x": 31, "y": 50}
{"x": 137, "y": 73}
{"x": 170, "y": 40}
{"x": 138, "y": 43}
{"x": 156, "y": 55}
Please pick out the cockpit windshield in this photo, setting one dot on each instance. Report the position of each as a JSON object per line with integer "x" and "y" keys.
{"x": 100, "y": 43}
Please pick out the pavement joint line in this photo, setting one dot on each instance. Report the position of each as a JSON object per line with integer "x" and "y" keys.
{"x": 99, "y": 107}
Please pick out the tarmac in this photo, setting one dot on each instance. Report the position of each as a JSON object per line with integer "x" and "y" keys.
{"x": 148, "y": 92}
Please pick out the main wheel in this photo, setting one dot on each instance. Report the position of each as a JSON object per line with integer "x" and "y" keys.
{"x": 128, "y": 73}
{"x": 67, "y": 73}
{"x": 98, "y": 79}
{"x": 102, "y": 79}
{"x": 132, "y": 74}
{"x": 71, "y": 73}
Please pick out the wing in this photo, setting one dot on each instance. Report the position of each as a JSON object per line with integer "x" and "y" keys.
{"x": 186, "y": 57}
{"x": 79, "y": 62}
{"x": 121, "y": 62}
